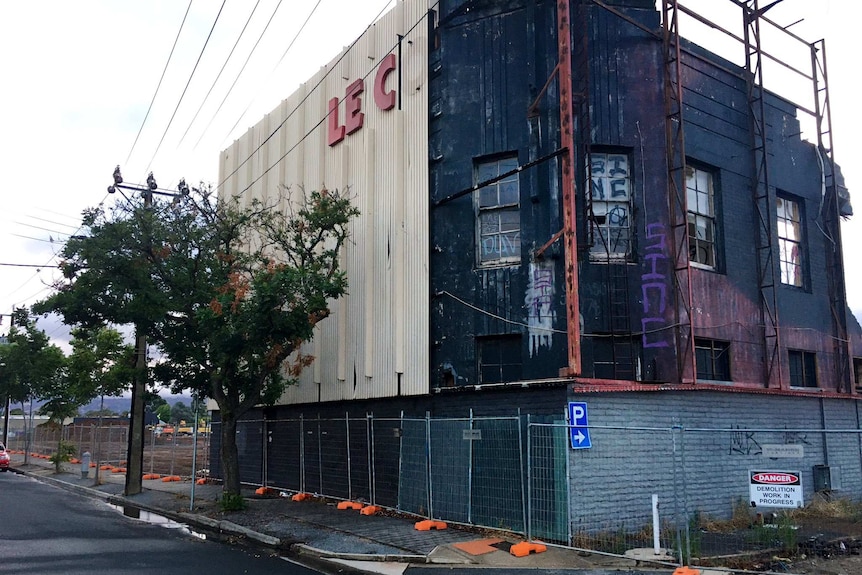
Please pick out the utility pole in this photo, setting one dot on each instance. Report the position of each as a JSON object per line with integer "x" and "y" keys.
{"x": 135, "y": 451}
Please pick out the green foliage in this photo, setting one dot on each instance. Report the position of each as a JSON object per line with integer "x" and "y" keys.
{"x": 227, "y": 290}
{"x": 64, "y": 453}
{"x": 163, "y": 412}
{"x": 181, "y": 412}
{"x": 781, "y": 534}
{"x": 231, "y": 502}
{"x": 30, "y": 366}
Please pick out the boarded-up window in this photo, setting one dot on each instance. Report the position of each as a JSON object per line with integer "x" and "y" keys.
{"x": 499, "y": 212}
{"x": 610, "y": 198}
{"x": 790, "y": 241}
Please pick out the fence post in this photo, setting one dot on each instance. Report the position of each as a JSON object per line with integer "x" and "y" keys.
{"x": 470, "y": 472}
{"x": 319, "y": 457}
{"x": 372, "y": 475}
{"x": 676, "y": 471}
{"x": 521, "y": 472}
{"x": 264, "y": 462}
{"x": 349, "y": 473}
{"x": 428, "y": 464}
{"x": 152, "y": 448}
{"x": 529, "y": 523}
{"x": 302, "y": 452}
{"x": 684, "y": 496}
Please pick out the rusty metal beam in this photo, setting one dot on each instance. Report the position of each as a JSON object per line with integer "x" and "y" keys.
{"x": 570, "y": 240}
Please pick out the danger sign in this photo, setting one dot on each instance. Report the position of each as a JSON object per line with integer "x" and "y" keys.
{"x": 775, "y": 489}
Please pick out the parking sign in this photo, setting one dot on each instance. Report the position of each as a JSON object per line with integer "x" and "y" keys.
{"x": 579, "y": 433}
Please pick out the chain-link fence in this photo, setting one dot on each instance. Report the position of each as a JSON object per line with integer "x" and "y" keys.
{"x": 164, "y": 453}
{"x": 680, "y": 494}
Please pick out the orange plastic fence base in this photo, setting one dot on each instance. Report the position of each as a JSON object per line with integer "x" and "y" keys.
{"x": 686, "y": 571}
{"x": 301, "y": 497}
{"x": 429, "y": 524}
{"x": 350, "y": 505}
{"x": 105, "y": 468}
{"x": 152, "y": 476}
{"x": 201, "y": 481}
{"x": 525, "y": 548}
{"x": 264, "y": 491}
{"x": 370, "y": 510}
{"x": 170, "y": 478}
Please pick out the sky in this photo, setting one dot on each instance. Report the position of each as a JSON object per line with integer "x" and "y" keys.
{"x": 77, "y": 80}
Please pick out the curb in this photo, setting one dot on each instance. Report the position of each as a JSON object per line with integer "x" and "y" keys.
{"x": 224, "y": 527}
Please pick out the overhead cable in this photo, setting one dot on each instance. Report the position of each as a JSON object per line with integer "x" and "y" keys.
{"x": 239, "y": 74}
{"x": 187, "y": 86}
{"x": 159, "y": 85}
{"x": 242, "y": 32}
{"x": 302, "y": 101}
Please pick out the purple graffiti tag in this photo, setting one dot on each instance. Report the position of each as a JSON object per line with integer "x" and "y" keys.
{"x": 654, "y": 288}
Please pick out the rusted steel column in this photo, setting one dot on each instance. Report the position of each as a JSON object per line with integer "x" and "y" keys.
{"x": 564, "y": 78}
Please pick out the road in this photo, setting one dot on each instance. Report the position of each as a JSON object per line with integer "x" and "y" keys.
{"x": 51, "y": 531}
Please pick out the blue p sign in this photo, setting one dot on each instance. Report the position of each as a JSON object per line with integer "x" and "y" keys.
{"x": 579, "y": 432}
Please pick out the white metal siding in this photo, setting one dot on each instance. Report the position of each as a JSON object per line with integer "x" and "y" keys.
{"x": 378, "y": 332}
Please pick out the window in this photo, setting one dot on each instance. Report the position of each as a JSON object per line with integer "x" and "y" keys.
{"x": 610, "y": 196}
{"x": 857, "y": 370}
{"x": 499, "y": 359}
{"x": 700, "y": 191}
{"x": 790, "y": 246}
{"x": 803, "y": 368}
{"x": 713, "y": 359}
{"x": 499, "y": 213}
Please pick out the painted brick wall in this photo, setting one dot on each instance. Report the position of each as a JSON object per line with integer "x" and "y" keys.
{"x": 612, "y": 482}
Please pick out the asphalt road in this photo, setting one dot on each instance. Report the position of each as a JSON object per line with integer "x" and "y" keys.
{"x": 50, "y": 531}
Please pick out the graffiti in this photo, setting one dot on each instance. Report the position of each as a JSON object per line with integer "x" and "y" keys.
{"x": 609, "y": 177}
{"x": 744, "y": 443}
{"x": 654, "y": 288}
{"x": 503, "y": 245}
{"x": 539, "y": 304}
{"x": 795, "y": 438}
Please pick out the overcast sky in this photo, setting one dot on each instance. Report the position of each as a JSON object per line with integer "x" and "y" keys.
{"x": 78, "y": 77}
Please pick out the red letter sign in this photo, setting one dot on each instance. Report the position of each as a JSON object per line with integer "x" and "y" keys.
{"x": 384, "y": 100}
{"x": 335, "y": 133}
{"x": 353, "y": 104}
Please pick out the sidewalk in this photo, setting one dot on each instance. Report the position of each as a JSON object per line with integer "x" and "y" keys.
{"x": 316, "y": 531}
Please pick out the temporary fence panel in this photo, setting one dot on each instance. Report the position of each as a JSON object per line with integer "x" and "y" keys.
{"x": 402, "y": 447}
{"x": 250, "y": 445}
{"x": 547, "y": 484}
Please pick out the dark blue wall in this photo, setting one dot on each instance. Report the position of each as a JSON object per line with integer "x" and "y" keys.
{"x": 491, "y": 61}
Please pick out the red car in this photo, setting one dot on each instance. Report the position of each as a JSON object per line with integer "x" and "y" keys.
{"x": 4, "y": 458}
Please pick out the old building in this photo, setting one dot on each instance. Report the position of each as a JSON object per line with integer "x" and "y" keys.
{"x": 571, "y": 202}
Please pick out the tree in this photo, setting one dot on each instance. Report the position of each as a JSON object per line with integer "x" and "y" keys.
{"x": 100, "y": 364}
{"x": 33, "y": 368}
{"x": 163, "y": 412}
{"x": 181, "y": 412}
{"x": 227, "y": 290}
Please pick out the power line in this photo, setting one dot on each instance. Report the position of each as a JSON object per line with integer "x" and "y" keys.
{"x": 52, "y": 222}
{"x": 187, "y": 85}
{"x": 28, "y": 266}
{"x": 289, "y": 46}
{"x": 242, "y": 32}
{"x": 308, "y": 94}
{"x": 277, "y": 6}
{"x": 147, "y": 115}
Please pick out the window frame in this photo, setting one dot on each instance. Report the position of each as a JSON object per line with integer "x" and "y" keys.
{"x": 808, "y": 363}
{"x": 694, "y": 216}
{"x": 507, "y": 343}
{"x": 614, "y": 182}
{"x": 800, "y": 243}
{"x": 719, "y": 356}
{"x": 501, "y": 208}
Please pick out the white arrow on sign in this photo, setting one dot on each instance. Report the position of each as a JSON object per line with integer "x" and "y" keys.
{"x": 580, "y": 436}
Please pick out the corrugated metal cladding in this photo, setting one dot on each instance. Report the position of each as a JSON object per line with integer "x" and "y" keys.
{"x": 375, "y": 343}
